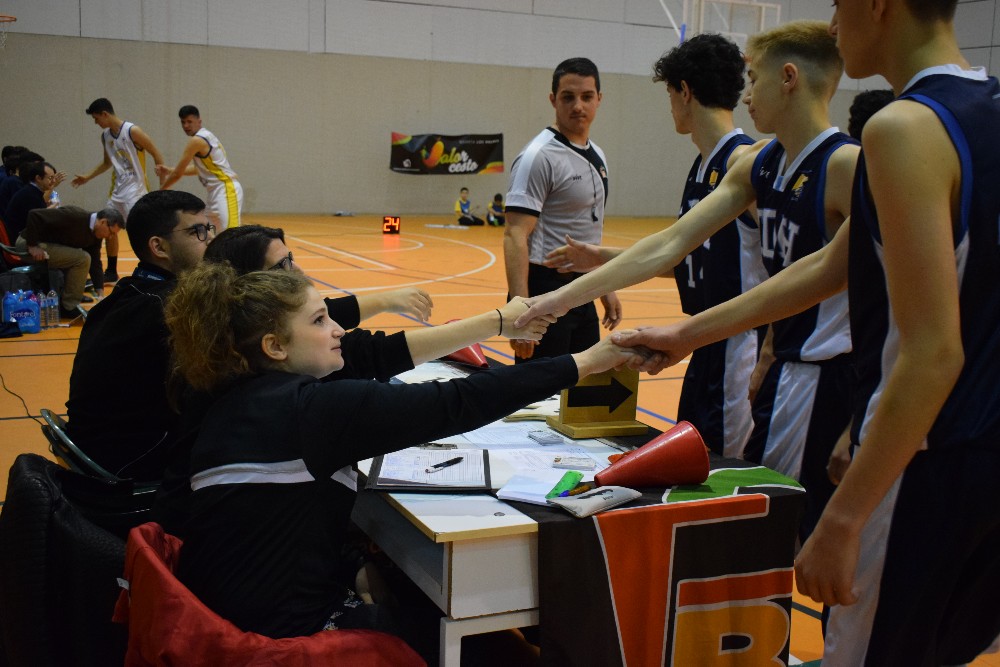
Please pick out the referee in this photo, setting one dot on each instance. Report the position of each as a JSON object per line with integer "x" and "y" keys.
{"x": 558, "y": 186}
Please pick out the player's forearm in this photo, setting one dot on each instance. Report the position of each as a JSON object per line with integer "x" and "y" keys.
{"x": 646, "y": 259}
{"x": 515, "y": 252}
{"x": 171, "y": 179}
{"x": 370, "y": 305}
{"x": 96, "y": 171}
{"x": 802, "y": 285}
{"x": 156, "y": 154}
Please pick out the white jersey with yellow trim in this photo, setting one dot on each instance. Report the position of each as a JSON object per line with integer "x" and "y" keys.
{"x": 128, "y": 181}
{"x": 225, "y": 194}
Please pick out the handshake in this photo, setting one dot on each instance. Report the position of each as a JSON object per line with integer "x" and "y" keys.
{"x": 635, "y": 348}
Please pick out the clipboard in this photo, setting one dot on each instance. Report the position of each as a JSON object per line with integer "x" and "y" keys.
{"x": 405, "y": 471}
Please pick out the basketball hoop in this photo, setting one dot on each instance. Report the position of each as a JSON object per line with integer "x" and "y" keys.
{"x": 5, "y": 21}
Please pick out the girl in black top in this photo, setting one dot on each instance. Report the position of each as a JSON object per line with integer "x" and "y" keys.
{"x": 272, "y": 481}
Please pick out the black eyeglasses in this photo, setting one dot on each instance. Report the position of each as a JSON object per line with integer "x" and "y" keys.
{"x": 284, "y": 265}
{"x": 200, "y": 230}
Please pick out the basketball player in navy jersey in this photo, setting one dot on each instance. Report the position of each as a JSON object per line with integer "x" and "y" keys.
{"x": 908, "y": 547}
{"x": 800, "y": 187}
{"x": 704, "y": 81}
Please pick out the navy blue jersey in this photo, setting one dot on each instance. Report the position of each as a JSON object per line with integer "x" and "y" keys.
{"x": 967, "y": 105}
{"x": 791, "y": 212}
{"x": 721, "y": 268}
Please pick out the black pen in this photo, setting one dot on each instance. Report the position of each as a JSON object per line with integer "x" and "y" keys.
{"x": 444, "y": 464}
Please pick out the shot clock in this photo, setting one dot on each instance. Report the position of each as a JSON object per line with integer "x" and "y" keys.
{"x": 390, "y": 224}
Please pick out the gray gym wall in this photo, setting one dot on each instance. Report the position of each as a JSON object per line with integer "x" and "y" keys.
{"x": 305, "y": 93}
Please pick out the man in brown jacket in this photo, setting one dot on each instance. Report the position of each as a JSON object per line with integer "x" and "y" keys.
{"x": 70, "y": 239}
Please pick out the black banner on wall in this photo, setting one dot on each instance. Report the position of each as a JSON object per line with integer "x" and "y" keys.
{"x": 442, "y": 154}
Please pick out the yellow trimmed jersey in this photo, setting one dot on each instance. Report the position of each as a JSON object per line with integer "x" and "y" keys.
{"x": 225, "y": 195}
{"x": 128, "y": 181}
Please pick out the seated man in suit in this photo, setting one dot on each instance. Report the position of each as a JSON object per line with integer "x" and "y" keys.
{"x": 39, "y": 178}
{"x": 70, "y": 238}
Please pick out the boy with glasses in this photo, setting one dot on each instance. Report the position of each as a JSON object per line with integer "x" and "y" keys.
{"x": 117, "y": 408}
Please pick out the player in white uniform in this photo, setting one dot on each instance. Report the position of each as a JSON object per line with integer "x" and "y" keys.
{"x": 124, "y": 146}
{"x": 205, "y": 158}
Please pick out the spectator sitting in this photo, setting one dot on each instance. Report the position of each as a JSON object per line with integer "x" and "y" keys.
{"x": 70, "y": 238}
{"x": 118, "y": 409}
{"x": 495, "y": 214}
{"x": 463, "y": 209}
{"x": 39, "y": 178}
{"x": 11, "y": 183}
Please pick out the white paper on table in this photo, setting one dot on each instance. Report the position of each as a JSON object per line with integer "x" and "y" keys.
{"x": 432, "y": 371}
{"x": 529, "y": 489}
{"x": 536, "y": 411}
{"x": 505, "y": 464}
{"x": 502, "y": 434}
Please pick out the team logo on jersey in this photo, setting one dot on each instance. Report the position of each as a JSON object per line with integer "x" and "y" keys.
{"x": 713, "y": 178}
{"x": 799, "y": 184}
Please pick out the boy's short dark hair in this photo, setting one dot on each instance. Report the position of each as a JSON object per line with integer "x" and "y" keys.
{"x": 188, "y": 110}
{"x": 580, "y": 66}
{"x": 864, "y": 106}
{"x": 712, "y": 66}
{"x": 930, "y": 10}
{"x": 498, "y": 197}
{"x": 155, "y": 214}
{"x": 29, "y": 171}
{"x": 13, "y": 156}
{"x": 100, "y": 105}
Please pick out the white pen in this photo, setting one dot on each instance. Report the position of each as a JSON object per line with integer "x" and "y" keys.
{"x": 444, "y": 464}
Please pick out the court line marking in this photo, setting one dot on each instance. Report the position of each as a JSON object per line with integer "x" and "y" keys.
{"x": 492, "y": 260}
{"x": 361, "y": 258}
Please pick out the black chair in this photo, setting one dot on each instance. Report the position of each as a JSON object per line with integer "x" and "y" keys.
{"x": 62, "y": 446}
{"x": 35, "y": 274}
{"x": 58, "y": 572}
{"x": 115, "y": 503}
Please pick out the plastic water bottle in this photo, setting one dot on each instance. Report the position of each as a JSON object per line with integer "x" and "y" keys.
{"x": 35, "y": 299}
{"x": 43, "y": 310}
{"x": 52, "y": 302}
{"x": 9, "y": 304}
{"x": 54, "y": 199}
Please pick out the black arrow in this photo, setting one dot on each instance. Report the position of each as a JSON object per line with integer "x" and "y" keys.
{"x": 611, "y": 395}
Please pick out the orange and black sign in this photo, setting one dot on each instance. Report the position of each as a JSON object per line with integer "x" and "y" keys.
{"x": 698, "y": 583}
{"x": 455, "y": 155}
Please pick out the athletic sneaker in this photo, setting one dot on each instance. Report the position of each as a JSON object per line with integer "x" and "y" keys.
{"x": 86, "y": 299}
{"x": 110, "y": 276}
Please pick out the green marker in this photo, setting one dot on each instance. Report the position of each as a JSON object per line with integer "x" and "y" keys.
{"x": 568, "y": 481}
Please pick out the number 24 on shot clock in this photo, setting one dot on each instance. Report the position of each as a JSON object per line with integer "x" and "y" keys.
{"x": 390, "y": 224}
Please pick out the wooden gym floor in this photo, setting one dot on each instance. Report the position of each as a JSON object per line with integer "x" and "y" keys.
{"x": 462, "y": 269}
